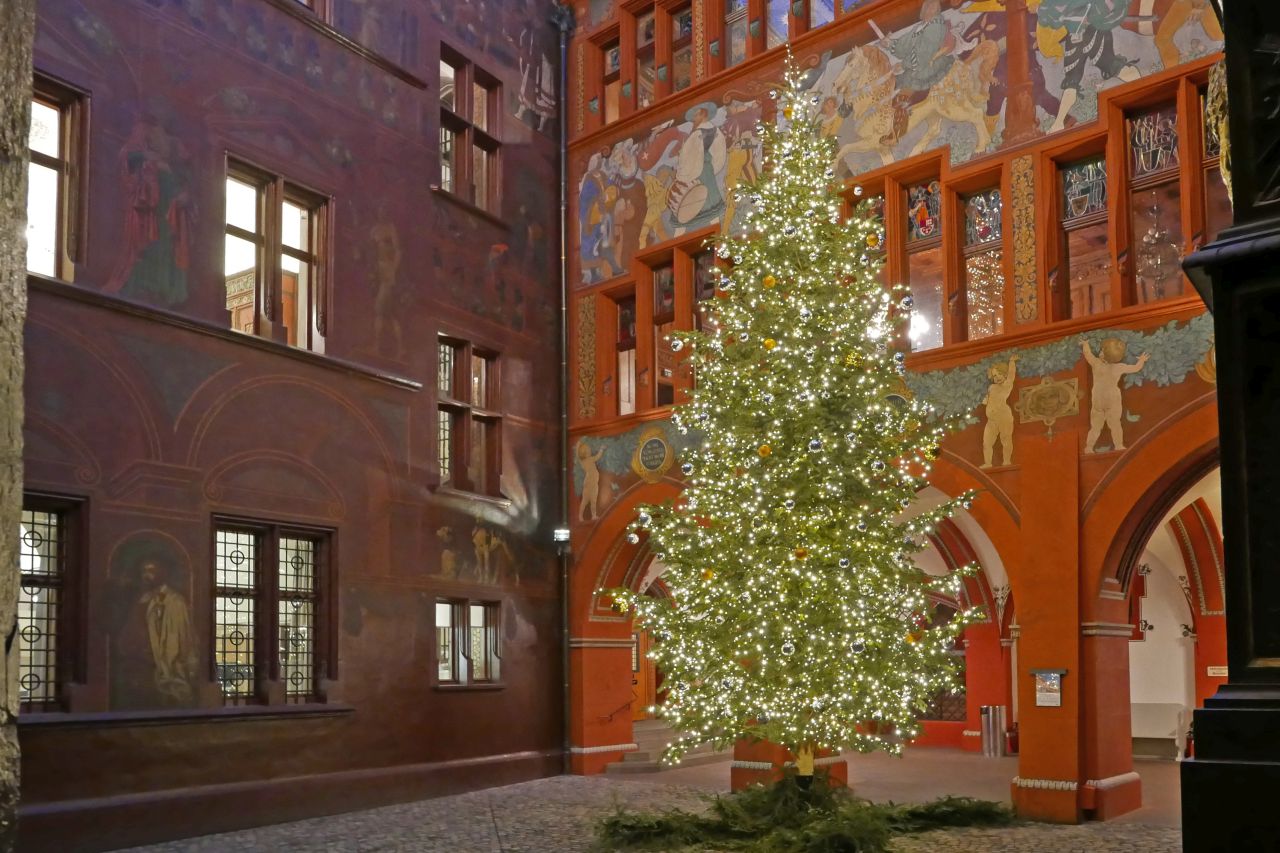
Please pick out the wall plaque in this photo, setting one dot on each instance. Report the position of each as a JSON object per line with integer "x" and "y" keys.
{"x": 653, "y": 456}
{"x": 1048, "y": 687}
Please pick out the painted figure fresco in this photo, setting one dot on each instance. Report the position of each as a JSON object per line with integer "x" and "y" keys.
{"x": 589, "y": 507}
{"x": 1108, "y": 407}
{"x": 999, "y": 415}
{"x": 154, "y": 656}
{"x": 385, "y": 238}
{"x": 158, "y": 214}
{"x": 1087, "y": 45}
{"x": 678, "y": 179}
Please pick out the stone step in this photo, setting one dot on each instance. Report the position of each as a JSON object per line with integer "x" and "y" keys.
{"x": 652, "y": 763}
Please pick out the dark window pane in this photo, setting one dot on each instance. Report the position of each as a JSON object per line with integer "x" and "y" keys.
{"x": 1088, "y": 265}
{"x": 664, "y": 291}
{"x": 1217, "y": 204}
{"x": 1157, "y": 241}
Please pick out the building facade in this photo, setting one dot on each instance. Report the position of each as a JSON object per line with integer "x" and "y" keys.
{"x": 292, "y": 432}
{"x": 1041, "y": 167}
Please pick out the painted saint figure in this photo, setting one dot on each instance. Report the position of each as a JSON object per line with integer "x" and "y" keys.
{"x": 999, "y": 415}
{"x": 1108, "y": 407}
{"x": 386, "y": 255}
{"x": 154, "y": 654}
{"x": 590, "y": 482}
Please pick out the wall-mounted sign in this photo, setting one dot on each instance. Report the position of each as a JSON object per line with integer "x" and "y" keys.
{"x": 653, "y": 456}
{"x": 1048, "y": 687}
{"x": 1216, "y": 671}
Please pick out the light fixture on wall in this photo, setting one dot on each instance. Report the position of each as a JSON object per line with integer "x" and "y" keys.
{"x": 1144, "y": 626}
{"x": 1188, "y": 631}
{"x": 1144, "y": 570}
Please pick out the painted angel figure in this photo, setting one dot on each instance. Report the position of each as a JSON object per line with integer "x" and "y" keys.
{"x": 1108, "y": 407}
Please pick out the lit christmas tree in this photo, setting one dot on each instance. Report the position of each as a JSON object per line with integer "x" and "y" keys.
{"x": 796, "y": 613}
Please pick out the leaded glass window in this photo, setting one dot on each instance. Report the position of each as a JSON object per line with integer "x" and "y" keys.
{"x": 446, "y": 652}
{"x": 924, "y": 211}
{"x": 735, "y": 32}
{"x": 1153, "y": 141}
{"x": 40, "y": 560}
{"x": 297, "y": 617}
{"x": 235, "y": 613}
{"x": 1084, "y": 189}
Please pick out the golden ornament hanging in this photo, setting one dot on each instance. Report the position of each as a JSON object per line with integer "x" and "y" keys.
{"x": 770, "y": 343}
{"x": 853, "y": 359}
{"x": 769, "y": 281}
{"x": 707, "y": 575}
{"x": 765, "y": 450}
{"x": 801, "y": 553}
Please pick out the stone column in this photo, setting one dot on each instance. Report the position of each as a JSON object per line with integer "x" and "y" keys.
{"x": 1228, "y": 789}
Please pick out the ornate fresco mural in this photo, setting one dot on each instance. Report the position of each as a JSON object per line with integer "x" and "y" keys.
{"x": 940, "y": 80}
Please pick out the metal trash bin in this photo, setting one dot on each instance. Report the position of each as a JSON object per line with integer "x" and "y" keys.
{"x": 993, "y": 731}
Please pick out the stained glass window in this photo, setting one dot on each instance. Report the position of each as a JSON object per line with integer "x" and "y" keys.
{"x": 444, "y": 444}
{"x": 682, "y": 24}
{"x": 704, "y": 276}
{"x": 1153, "y": 141}
{"x": 40, "y": 559}
{"x": 1084, "y": 188}
{"x": 924, "y": 211}
{"x": 982, "y": 217}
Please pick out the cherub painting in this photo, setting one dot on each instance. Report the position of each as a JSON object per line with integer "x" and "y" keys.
{"x": 999, "y": 416}
{"x": 1108, "y": 407}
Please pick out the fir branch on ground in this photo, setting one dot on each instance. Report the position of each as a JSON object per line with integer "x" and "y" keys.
{"x": 785, "y": 818}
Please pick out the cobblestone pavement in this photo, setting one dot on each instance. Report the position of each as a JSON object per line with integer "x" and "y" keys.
{"x": 557, "y": 816}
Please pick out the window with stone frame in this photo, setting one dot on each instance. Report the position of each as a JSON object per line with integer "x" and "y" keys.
{"x": 469, "y": 424}
{"x": 469, "y": 140}
{"x": 54, "y": 211}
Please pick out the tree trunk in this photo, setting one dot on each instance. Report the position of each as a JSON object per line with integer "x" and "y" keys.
{"x": 17, "y": 23}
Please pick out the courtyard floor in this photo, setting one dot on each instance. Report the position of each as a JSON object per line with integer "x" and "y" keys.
{"x": 557, "y": 815}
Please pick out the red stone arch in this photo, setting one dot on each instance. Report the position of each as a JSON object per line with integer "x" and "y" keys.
{"x": 1200, "y": 544}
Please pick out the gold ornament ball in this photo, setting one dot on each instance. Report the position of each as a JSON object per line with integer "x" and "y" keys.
{"x": 770, "y": 343}
{"x": 802, "y": 553}
{"x": 769, "y": 281}
{"x": 873, "y": 240}
{"x": 707, "y": 575}
{"x": 765, "y": 450}
{"x": 853, "y": 359}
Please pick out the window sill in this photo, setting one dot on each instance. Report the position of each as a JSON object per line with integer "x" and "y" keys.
{"x": 496, "y": 500}
{"x": 186, "y": 715}
{"x": 485, "y": 687}
{"x": 79, "y": 293}
{"x": 474, "y": 209}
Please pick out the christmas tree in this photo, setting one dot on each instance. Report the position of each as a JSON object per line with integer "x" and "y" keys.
{"x": 796, "y": 613}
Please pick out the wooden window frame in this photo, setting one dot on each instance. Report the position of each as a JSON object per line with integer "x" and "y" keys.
{"x": 274, "y": 190}
{"x": 464, "y": 412}
{"x": 1179, "y": 175}
{"x": 464, "y": 667}
{"x": 468, "y": 135}
{"x": 269, "y": 687}
{"x": 71, "y": 628}
{"x": 72, "y": 220}
{"x": 1058, "y": 273}
{"x": 944, "y": 242}
{"x": 955, "y": 194}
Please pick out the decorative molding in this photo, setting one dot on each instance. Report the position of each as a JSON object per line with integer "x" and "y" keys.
{"x": 1046, "y": 784}
{"x": 581, "y": 62}
{"x": 700, "y": 40}
{"x": 1113, "y": 594}
{"x": 1025, "y": 285}
{"x": 1015, "y": 631}
{"x": 613, "y": 747}
{"x": 1048, "y": 401}
{"x": 1113, "y": 781}
{"x": 1106, "y": 629}
{"x": 587, "y": 356}
{"x": 752, "y": 765}
{"x": 592, "y": 643}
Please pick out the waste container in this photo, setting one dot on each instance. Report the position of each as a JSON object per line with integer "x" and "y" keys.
{"x": 993, "y": 730}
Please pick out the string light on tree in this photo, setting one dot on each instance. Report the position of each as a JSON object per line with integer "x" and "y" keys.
{"x": 789, "y": 534}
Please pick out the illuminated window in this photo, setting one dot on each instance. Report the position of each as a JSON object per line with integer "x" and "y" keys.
{"x": 1083, "y": 285}
{"x": 984, "y": 264}
{"x": 42, "y": 560}
{"x": 470, "y": 105}
{"x": 52, "y": 209}
{"x": 924, "y": 264}
{"x": 268, "y": 584}
{"x": 468, "y": 642}
{"x": 273, "y": 258}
